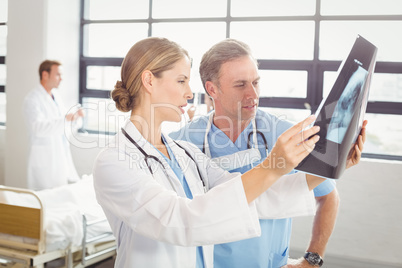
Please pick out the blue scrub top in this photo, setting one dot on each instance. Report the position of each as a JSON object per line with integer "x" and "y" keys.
{"x": 179, "y": 173}
{"x": 271, "y": 249}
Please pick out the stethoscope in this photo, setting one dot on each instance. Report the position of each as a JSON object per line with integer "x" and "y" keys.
{"x": 157, "y": 160}
{"x": 251, "y": 147}
{"x": 256, "y": 132}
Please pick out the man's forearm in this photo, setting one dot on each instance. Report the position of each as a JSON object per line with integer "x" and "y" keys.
{"x": 324, "y": 222}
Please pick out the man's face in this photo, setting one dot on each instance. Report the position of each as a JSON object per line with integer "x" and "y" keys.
{"x": 238, "y": 91}
{"x": 54, "y": 77}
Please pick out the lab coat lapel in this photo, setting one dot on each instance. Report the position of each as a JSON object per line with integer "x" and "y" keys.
{"x": 188, "y": 167}
{"x": 52, "y": 108}
{"x": 151, "y": 150}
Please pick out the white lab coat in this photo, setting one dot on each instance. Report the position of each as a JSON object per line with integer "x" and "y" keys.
{"x": 156, "y": 225}
{"x": 50, "y": 163}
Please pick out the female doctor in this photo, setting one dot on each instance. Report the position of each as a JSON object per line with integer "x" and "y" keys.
{"x": 166, "y": 202}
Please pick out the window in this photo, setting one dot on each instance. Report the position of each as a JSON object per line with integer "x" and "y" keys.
{"x": 3, "y": 52}
{"x": 299, "y": 44}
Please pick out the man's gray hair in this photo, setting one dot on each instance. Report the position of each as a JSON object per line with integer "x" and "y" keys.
{"x": 224, "y": 51}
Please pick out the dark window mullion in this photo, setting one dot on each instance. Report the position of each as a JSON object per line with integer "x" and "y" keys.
{"x": 88, "y": 61}
{"x": 93, "y": 93}
{"x": 279, "y": 102}
{"x": 383, "y": 107}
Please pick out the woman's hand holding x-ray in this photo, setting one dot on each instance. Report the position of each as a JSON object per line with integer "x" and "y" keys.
{"x": 289, "y": 150}
{"x": 354, "y": 158}
{"x": 293, "y": 146}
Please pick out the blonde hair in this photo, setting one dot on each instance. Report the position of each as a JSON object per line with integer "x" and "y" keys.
{"x": 154, "y": 54}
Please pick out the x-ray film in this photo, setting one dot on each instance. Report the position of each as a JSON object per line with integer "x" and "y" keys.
{"x": 340, "y": 115}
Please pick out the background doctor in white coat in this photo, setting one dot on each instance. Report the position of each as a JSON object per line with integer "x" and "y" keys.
{"x": 50, "y": 163}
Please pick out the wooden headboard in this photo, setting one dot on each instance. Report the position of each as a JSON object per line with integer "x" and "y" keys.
{"x": 22, "y": 221}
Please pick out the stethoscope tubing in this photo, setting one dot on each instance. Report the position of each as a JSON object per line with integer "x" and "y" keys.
{"x": 255, "y": 131}
{"x": 147, "y": 157}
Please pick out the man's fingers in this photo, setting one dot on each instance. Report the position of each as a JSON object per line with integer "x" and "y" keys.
{"x": 358, "y": 154}
{"x": 363, "y": 132}
{"x": 360, "y": 143}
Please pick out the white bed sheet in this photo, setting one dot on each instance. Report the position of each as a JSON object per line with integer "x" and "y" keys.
{"x": 63, "y": 208}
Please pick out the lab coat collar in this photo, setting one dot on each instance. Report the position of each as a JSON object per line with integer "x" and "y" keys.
{"x": 130, "y": 128}
{"x": 43, "y": 91}
{"x": 55, "y": 103}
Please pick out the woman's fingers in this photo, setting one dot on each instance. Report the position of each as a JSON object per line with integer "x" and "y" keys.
{"x": 298, "y": 128}
{"x": 295, "y": 144}
{"x": 307, "y": 146}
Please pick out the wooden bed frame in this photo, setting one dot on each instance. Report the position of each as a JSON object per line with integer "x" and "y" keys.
{"x": 28, "y": 222}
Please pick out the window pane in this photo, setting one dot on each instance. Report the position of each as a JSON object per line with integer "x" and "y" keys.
{"x": 188, "y": 8}
{"x": 337, "y": 38}
{"x": 102, "y": 116}
{"x": 329, "y": 80}
{"x": 383, "y": 134}
{"x": 277, "y": 40}
{"x": 384, "y": 87}
{"x": 3, "y": 40}
{"x": 3, "y": 107}
{"x": 3, "y": 10}
{"x": 3, "y": 74}
{"x": 117, "y": 9}
{"x": 292, "y": 115}
{"x": 196, "y": 38}
{"x": 283, "y": 84}
{"x": 361, "y": 7}
{"x": 103, "y": 78}
{"x": 108, "y": 40}
{"x": 241, "y": 8}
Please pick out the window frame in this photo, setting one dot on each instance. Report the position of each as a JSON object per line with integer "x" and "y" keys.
{"x": 315, "y": 67}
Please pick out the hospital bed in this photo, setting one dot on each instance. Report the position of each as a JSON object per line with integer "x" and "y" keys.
{"x": 63, "y": 226}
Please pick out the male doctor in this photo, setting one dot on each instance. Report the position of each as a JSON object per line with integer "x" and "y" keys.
{"x": 50, "y": 163}
{"x": 238, "y": 136}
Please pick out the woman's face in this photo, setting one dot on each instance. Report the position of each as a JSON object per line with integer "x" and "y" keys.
{"x": 172, "y": 90}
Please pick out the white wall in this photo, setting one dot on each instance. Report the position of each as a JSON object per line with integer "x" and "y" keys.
{"x": 25, "y": 50}
{"x": 369, "y": 224}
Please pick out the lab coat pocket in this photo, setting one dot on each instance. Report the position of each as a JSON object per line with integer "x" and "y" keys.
{"x": 279, "y": 260}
